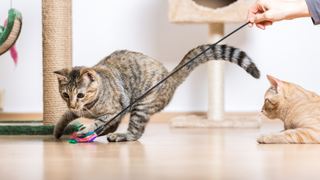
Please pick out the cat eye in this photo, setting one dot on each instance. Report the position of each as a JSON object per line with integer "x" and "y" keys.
{"x": 66, "y": 95}
{"x": 80, "y": 95}
{"x": 269, "y": 102}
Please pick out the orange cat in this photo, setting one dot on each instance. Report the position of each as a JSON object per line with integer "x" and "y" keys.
{"x": 298, "y": 108}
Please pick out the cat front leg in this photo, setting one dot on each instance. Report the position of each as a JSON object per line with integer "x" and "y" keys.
{"x": 100, "y": 122}
{"x": 65, "y": 119}
{"x": 292, "y": 136}
{"x": 93, "y": 126}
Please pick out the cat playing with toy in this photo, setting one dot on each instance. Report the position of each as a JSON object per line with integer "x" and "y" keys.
{"x": 102, "y": 91}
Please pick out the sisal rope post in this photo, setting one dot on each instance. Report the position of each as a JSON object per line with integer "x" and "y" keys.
{"x": 57, "y": 54}
{"x": 216, "y": 77}
{"x": 215, "y": 13}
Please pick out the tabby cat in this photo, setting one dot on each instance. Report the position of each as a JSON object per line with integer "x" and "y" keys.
{"x": 102, "y": 91}
{"x": 298, "y": 108}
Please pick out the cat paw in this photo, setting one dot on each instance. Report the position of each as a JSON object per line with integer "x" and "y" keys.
{"x": 83, "y": 130}
{"x": 118, "y": 137}
{"x": 263, "y": 139}
{"x": 57, "y": 134}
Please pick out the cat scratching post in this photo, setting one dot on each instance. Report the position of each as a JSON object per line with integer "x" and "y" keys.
{"x": 57, "y": 54}
{"x": 216, "y": 77}
{"x": 215, "y": 13}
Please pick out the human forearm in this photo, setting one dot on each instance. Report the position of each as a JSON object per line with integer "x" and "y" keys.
{"x": 298, "y": 9}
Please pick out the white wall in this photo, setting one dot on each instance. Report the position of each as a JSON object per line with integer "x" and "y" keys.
{"x": 287, "y": 50}
{"x": 23, "y": 84}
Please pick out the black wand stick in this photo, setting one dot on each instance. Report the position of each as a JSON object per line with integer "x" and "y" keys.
{"x": 99, "y": 129}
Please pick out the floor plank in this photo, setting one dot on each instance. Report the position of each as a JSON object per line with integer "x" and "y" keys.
{"x": 162, "y": 153}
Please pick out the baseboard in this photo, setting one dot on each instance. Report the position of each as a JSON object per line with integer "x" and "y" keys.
{"x": 162, "y": 117}
{"x": 20, "y": 116}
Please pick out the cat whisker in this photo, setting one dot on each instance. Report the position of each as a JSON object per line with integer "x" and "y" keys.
{"x": 78, "y": 113}
{"x": 68, "y": 115}
{"x": 259, "y": 117}
{"x": 263, "y": 117}
{"x": 82, "y": 113}
{"x": 90, "y": 112}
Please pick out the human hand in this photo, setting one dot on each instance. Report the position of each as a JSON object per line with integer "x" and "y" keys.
{"x": 265, "y": 12}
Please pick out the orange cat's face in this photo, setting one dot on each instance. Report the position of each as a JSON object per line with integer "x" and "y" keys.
{"x": 273, "y": 99}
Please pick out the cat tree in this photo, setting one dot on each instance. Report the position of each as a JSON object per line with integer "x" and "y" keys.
{"x": 215, "y": 13}
{"x": 57, "y": 54}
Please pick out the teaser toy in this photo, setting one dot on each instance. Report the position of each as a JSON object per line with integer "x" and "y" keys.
{"x": 89, "y": 137}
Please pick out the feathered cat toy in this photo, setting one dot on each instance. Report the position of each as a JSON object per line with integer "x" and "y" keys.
{"x": 89, "y": 137}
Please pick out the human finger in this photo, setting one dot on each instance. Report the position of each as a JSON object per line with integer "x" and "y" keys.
{"x": 251, "y": 22}
{"x": 261, "y": 26}
{"x": 252, "y": 11}
{"x": 267, "y": 23}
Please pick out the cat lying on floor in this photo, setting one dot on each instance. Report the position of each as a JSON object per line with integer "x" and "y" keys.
{"x": 102, "y": 91}
{"x": 298, "y": 108}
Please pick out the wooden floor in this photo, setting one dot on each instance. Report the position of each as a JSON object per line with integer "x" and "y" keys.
{"x": 162, "y": 153}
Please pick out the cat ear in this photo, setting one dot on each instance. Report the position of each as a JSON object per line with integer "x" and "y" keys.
{"x": 61, "y": 74}
{"x": 276, "y": 84}
{"x": 87, "y": 75}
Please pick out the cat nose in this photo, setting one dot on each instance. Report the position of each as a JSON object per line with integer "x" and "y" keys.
{"x": 261, "y": 111}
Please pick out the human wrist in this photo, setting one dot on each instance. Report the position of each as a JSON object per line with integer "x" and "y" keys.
{"x": 299, "y": 9}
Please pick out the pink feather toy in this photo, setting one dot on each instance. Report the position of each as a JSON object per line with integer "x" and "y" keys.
{"x": 82, "y": 138}
{"x": 13, "y": 51}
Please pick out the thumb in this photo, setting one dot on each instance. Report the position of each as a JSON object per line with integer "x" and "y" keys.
{"x": 260, "y": 17}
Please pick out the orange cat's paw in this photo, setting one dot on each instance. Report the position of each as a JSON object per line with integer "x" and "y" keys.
{"x": 263, "y": 138}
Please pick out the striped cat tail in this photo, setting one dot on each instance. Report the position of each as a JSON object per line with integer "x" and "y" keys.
{"x": 218, "y": 52}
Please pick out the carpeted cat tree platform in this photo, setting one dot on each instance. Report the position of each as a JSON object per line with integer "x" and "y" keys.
{"x": 215, "y": 13}
{"x": 57, "y": 54}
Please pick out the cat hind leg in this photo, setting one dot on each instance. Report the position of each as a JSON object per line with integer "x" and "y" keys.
{"x": 137, "y": 124}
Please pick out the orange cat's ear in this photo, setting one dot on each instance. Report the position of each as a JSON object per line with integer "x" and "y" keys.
{"x": 275, "y": 83}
